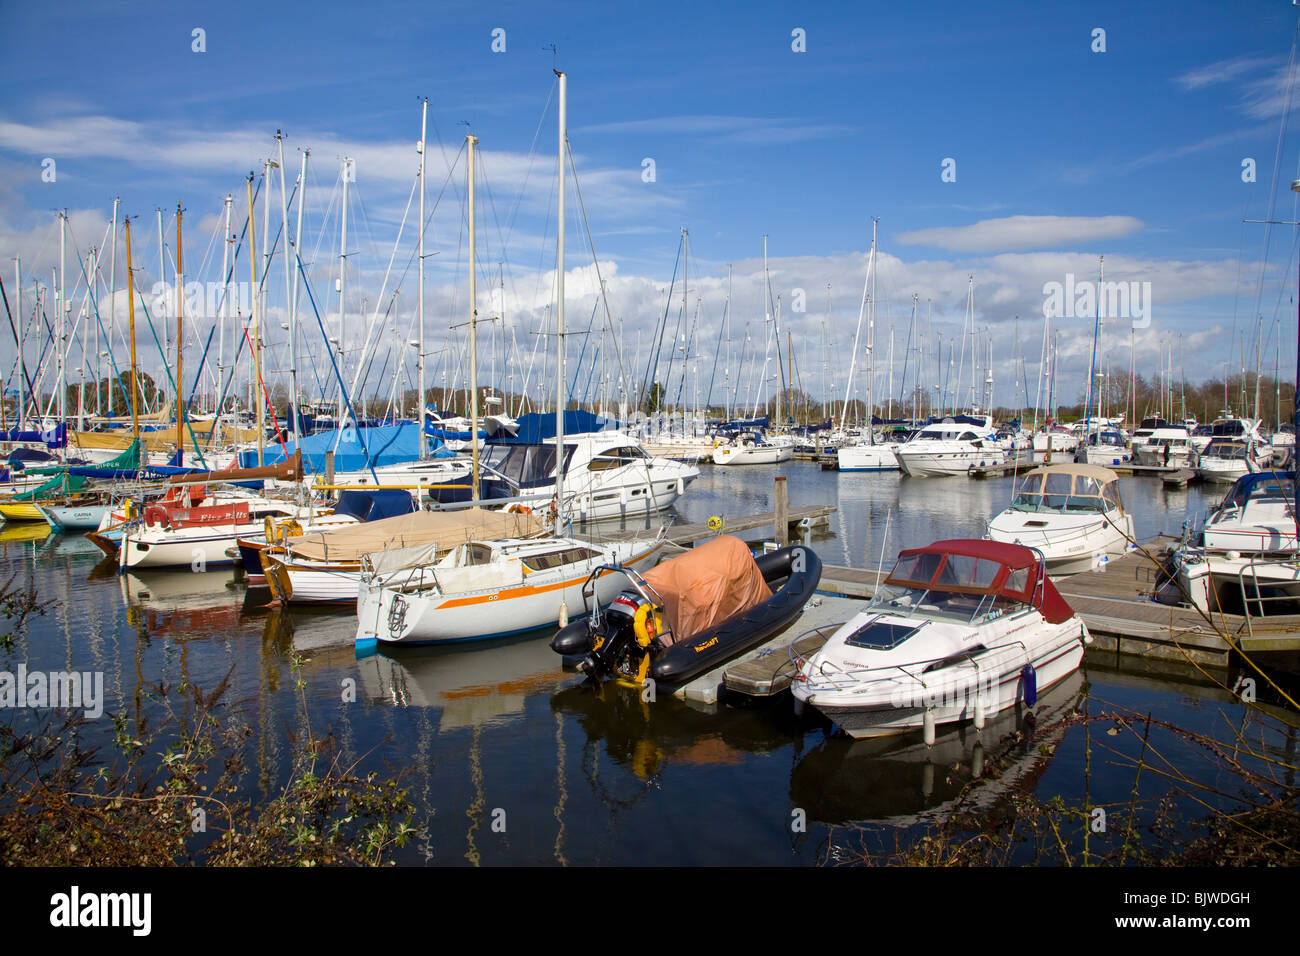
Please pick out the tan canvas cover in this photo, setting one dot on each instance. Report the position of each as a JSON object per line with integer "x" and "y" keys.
{"x": 707, "y": 585}
{"x": 434, "y": 531}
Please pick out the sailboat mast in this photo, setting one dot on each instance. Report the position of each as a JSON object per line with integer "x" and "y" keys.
{"x": 22, "y": 330}
{"x": 256, "y": 317}
{"x": 180, "y": 331}
{"x": 470, "y": 141}
{"x": 63, "y": 313}
{"x": 295, "y": 395}
{"x": 343, "y": 284}
{"x": 112, "y": 295}
{"x": 419, "y": 301}
{"x": 559, "y": 311}
{"x": 130, "y": 302}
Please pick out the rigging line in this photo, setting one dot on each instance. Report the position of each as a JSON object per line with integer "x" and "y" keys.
{"x": 600, "y": 281}
{"x": 347, "y": 399}
{"x": 14, "y": 329}
{"x": 708, "y": 400}
{"x": 647, "y": 381}
{"x": 374, "y": 324}
{"x": 172, "y": 381}
{"x": 532, "y": 160}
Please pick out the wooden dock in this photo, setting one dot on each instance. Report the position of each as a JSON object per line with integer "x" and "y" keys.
{"x": 1016, "y": 465}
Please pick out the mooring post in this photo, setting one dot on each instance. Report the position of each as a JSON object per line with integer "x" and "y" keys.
{"x": 782, "y": 508}
{"x": 329, "y": 467}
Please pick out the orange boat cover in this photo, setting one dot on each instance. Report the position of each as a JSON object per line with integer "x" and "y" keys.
{"x": 708, "y": 585}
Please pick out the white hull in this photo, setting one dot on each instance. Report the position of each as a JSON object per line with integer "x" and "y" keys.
{"x": 752, "y": 455}
{"x": 1069, "y": 545}
{"x": 941, "y": 463}
{"x": 867, "y": 458}
{"x": 508, "y": 607}
{"x": 959, "y": 698}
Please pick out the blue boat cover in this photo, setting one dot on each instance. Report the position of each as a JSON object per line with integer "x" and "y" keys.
{"x": 354, "y": 450}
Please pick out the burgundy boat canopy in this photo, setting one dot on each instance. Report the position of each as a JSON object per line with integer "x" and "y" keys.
{"x": 976, "y": 566}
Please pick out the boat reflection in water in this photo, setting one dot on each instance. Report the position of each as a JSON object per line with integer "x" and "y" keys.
{"x": 899, "y": 780}
{"x": 183, "y": 602}
{"x": 473, "y": 685}
{"x": 646, "y": 737}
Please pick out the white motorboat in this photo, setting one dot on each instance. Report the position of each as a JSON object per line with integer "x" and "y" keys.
{"x": 486, "y": 589}
{"x": 951, "y": 447}
{"x": 1227, "y": 459}
{"x": 1142, "y": 434}
{"x": 1257, "y": 516}
{"x": 607, "y": 474}
{"x": 960, "y": 630}
{"x": 1070, "y": 513}
{"x": 1168, "y": 447}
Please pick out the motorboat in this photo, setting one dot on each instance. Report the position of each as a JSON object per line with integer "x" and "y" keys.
{"x": 1257, "y": 516}
{"x": 1071, "y": 513}
{"x": 1245, "y": 557}
{"x": 959, "y": 630}
{"x": 951, "y": 447}
{"x": 607, "y": 474}
{"x": 1168, "y": 447}
{"x": 486, "y": 588}
{"x": 1227, "y": 459}
{"x": 1146, "y": 428}
{"x": 691, "y": 613}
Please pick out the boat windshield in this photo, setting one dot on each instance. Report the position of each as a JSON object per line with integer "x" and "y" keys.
{"x": 1226, "y": 450}
{"x": 1066, "y": 492}
{"x": 937, "y": 604}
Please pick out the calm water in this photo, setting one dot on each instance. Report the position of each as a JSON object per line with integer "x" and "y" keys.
{"x": 498, "y": 731}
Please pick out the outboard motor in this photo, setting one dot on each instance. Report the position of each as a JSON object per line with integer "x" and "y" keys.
{"x": 615, "y": 633}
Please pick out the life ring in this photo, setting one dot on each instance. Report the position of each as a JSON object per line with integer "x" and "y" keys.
{"x": 715, "y": 523}
{"x": 647, "y": 624}
{"x": 154, "y": 515}
{"x": 518, "y": 509}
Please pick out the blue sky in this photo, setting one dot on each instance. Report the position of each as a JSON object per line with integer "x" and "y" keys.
{"x": 1134, "y": 153}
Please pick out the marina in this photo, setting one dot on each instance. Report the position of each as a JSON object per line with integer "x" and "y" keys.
{"x": 472, "y": 445}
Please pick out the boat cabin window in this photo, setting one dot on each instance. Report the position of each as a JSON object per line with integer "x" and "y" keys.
{"x": 616, "y": 457}
{"x": 527, "y": 465}
{"x": 555, "y": 559}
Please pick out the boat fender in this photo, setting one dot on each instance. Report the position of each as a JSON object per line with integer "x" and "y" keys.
{"x": 979, "y": 714}
{"x": 1030, "y": 678}
{"x": 564, "y": 615}
{"x": 927, "y": 728}
{"x": 647, "y": 624}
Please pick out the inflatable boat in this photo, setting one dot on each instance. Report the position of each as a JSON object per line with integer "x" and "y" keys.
{"x": 689, "y": 614}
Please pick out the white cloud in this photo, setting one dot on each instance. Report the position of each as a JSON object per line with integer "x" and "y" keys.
{"x": 1023, "y": 232}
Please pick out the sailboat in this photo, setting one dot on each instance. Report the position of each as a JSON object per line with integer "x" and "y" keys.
{"x": 492, "y": 588}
